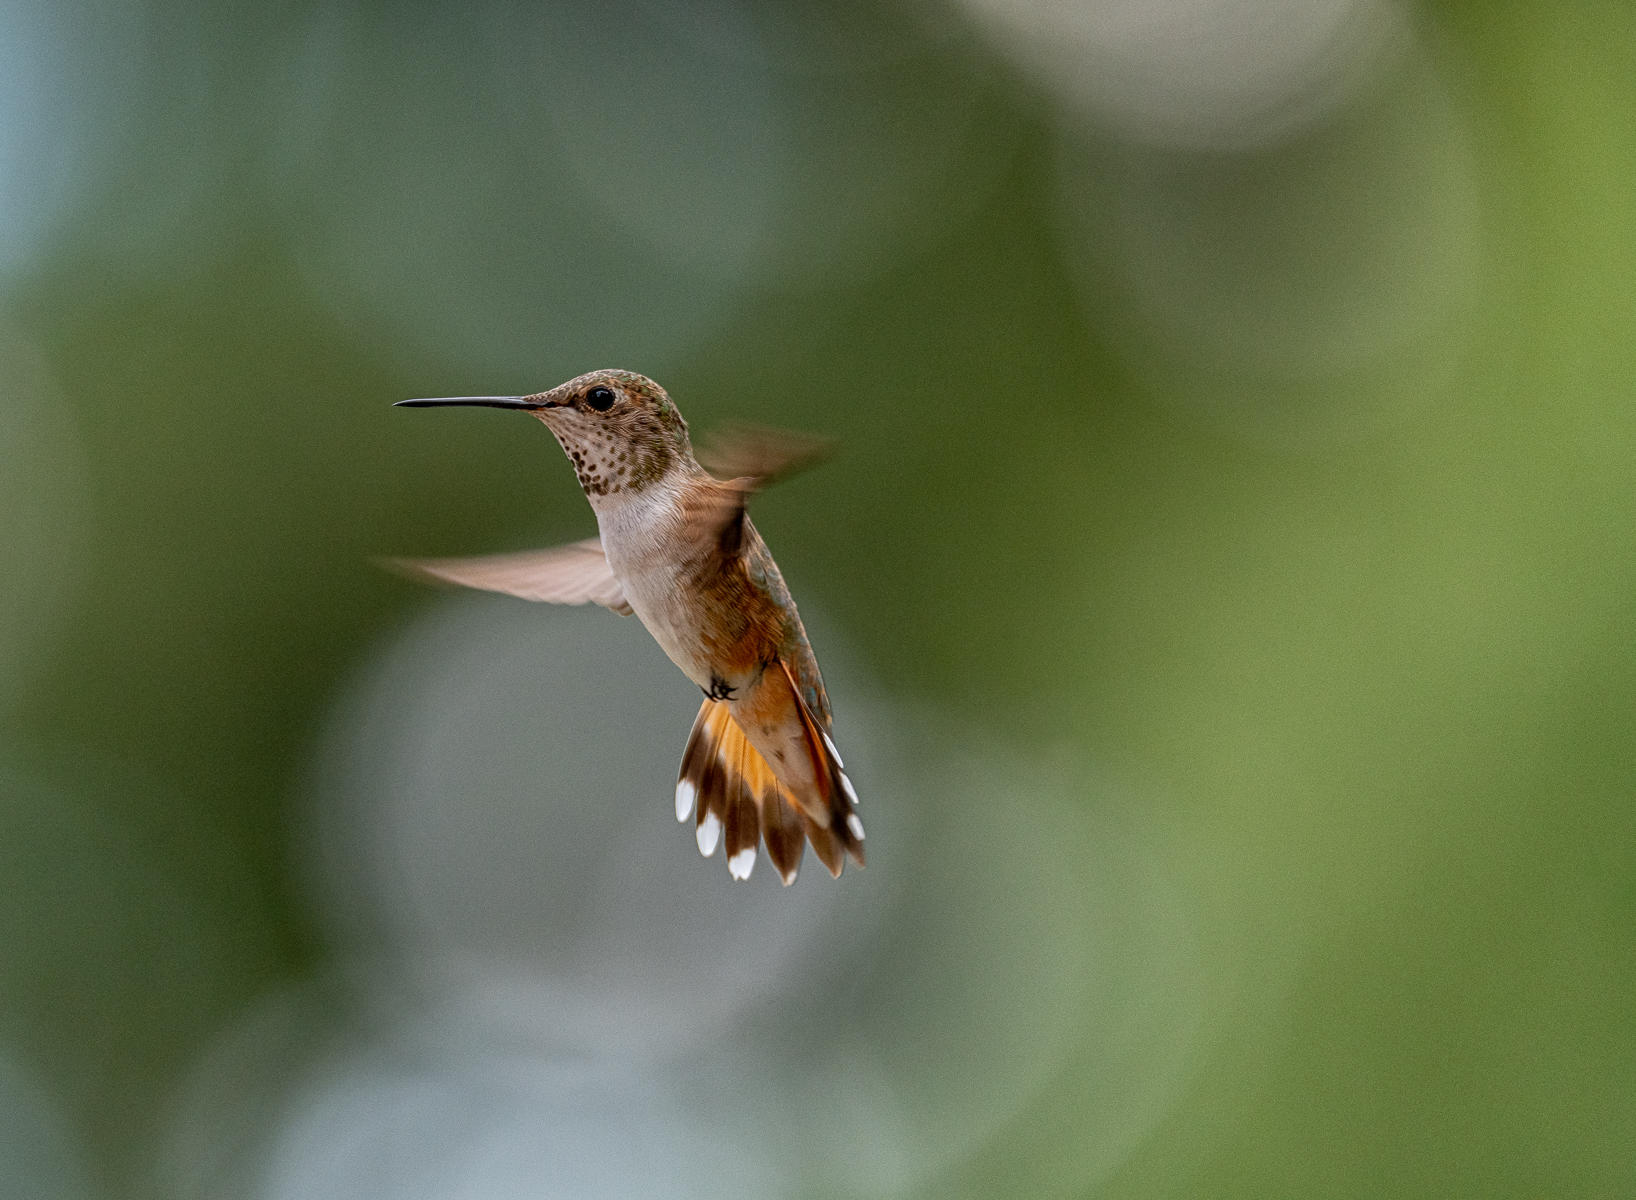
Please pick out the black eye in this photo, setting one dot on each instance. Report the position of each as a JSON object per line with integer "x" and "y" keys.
{"x": 600, "y": 398}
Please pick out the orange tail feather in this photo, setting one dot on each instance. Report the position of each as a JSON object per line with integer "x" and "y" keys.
{"x": 728, "y": 787}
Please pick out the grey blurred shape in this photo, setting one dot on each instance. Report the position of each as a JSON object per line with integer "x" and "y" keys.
{"x": 495, "y": 822}
{"x": 1311, "y": 291}
{"x": 1201, "y": 75}
{"x": 42, "y": 1156}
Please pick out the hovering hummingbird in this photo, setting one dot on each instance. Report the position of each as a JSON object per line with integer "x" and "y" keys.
{"x": 677, "y": 549}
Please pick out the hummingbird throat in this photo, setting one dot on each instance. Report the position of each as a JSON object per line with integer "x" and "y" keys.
{"x": 609, "y": 461}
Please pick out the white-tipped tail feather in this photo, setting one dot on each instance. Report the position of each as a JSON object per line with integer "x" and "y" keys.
{"x": 846, "y": 786}
{"x": 731, "y": 790}
{"x": 708, "y": 834}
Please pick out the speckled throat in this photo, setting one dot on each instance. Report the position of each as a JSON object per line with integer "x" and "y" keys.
{"x": 611, "y": 458}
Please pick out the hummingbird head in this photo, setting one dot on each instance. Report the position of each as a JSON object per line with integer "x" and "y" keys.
{"x": 619, "y": 429}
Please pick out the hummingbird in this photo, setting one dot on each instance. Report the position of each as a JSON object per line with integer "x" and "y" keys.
{"x": 676, "y": 547}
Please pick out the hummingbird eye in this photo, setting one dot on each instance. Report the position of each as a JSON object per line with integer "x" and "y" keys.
{"x": 600, "y": 398}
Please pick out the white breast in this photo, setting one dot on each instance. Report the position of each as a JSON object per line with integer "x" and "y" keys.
{"x": 643, "y": 537}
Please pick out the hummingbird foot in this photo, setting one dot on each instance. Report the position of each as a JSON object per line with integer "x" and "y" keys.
{"x": 718, "y": 689}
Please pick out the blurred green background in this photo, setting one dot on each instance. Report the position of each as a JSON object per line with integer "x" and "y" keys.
{"x": 1236, "y": 401}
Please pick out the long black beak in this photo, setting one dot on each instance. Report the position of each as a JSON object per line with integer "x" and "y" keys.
{"x": 527, "y": 403}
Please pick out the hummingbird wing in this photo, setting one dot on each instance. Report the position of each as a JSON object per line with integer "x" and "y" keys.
{"x": 746, "y": 459}
{"x": 760, "y": 456}
{"x": 577, "y": 573}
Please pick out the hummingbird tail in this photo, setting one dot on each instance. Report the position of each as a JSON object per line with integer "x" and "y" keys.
{"x": 727, "y": 787}
{"x": 843, "y": 825}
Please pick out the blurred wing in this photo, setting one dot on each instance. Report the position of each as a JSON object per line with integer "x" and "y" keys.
{"x": 577, "y": 573}
{"x": 745, "y": 460}
{"x": 754, "y": 457}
